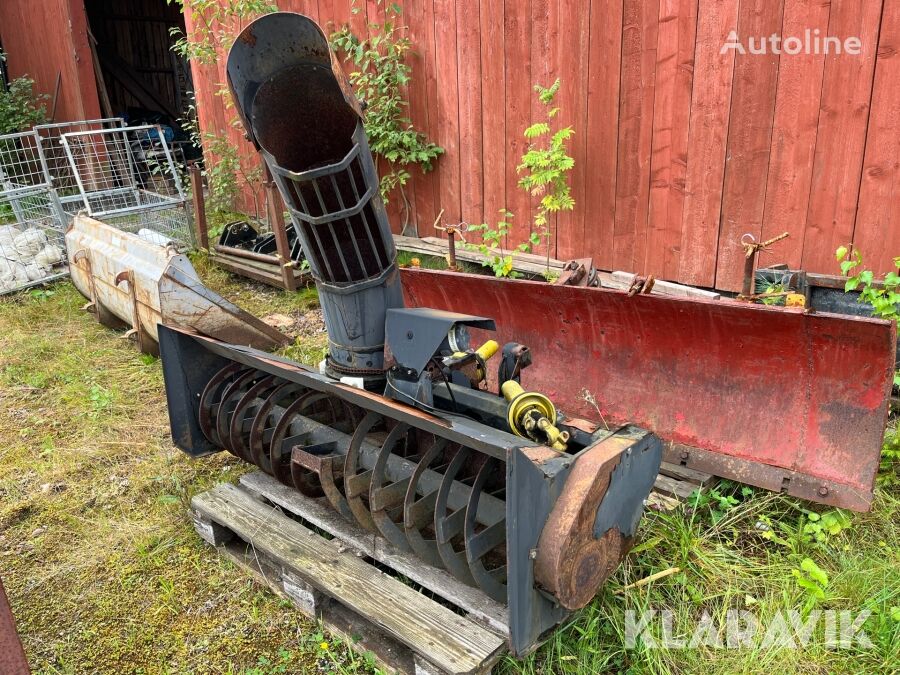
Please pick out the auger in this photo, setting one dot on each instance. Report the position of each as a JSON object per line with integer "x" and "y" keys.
{"x": 406, "y": 428}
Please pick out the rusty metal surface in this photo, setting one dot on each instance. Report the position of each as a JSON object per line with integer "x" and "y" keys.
{"x": 752, "y": 389}
{"x": 12, "y": 656}
{"x": 571, "y": 562}
{"x": 142, "y": 284}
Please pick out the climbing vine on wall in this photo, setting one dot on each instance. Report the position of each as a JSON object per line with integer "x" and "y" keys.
{"x": 380, "y": 76}
{"x": 216, "y": 24}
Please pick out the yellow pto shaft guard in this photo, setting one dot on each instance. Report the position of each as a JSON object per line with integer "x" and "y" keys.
{"x": 532, "y": 415}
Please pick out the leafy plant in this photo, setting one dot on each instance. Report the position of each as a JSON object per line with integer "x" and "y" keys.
{"x": 776, "y": 290}
{"x": 810, "y": 528}
{"x": 100, "y": 398}
{"x": 216, "y": 25}
{"x": 491, "y": 248}
{"x": 719, "y": 500}
{"x": 884, "y": 299}
{"x": 20, "y": 107}
{"x": 820, "y": 527}
{"x": 546, "y": 164}
{"x": 812, "y": 580}
{"x": 380, "y": 77}
{"x": 889, "y": 471}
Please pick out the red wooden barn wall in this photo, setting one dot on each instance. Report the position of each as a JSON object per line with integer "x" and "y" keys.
{"x": 680, "y": 149}
{"x": 48, "y": 38}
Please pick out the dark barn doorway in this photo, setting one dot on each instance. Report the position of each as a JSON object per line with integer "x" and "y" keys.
{"x": 139, "y": 77}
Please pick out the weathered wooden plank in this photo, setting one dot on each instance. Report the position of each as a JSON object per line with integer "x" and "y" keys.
{"x": 670, "y": 288}
{"x": 671, "y": 123}
{"x": 493, "y": 108}
{"x": 419, "y": 18}
{"x": 468, "y": 45}
{"x": 416, "y": 621}
{"x": 522, "y": 262}
{"x": 445, "y": 55}
{"x": 604, "y": 75}
{"x": 363, "y": 637}
{"x": 710, "y": 108}
{"x": 572, "y": 46}
{"x": 672, "y": 486}
{"x": 799, "y": 91}
{"x": 639, "y": 44}
{"x": 517, "y": 59}
{"x": 841, "y": 138}
{"x": 308, "y": 7}
{"x": 877, "y": 234}
{"x": 684, "y": 473}
{"x": 749, "y": 139}
{"x": 470, "y": 599}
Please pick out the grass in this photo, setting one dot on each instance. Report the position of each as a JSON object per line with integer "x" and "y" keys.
{"x": 105, "y": 573}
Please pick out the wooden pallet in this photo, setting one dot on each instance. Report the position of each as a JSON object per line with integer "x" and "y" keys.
{"x": 408, "y": 630}
{"x": 439, "y": 625}
{"x": 676, "y": 483}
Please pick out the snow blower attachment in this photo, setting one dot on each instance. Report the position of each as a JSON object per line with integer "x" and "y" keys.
{"x": 398, "y": 430}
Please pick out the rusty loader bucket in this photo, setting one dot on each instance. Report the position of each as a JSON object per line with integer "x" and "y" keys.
{"x": 131, "y": 281}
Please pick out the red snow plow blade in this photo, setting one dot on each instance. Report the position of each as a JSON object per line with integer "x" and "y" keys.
{"x": 780, "y": 399}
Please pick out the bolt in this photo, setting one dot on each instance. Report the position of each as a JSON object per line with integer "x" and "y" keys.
{"x": 532, "y": 553}
{"x": 823, "y": 491}
{"x": 409, "y": 335}
{"x": 684, "y": 454}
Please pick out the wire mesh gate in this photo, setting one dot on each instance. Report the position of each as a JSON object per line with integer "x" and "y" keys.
{"x": 32, "y": 221}
{"x": 62, "y": 177}
{"x": 127, "y": 177}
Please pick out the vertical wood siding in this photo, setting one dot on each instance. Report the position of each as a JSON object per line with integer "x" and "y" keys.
{"x": 680, "y": 148}
{"x": 47, "y": 39}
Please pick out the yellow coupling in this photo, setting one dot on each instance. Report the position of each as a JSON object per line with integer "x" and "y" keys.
{"x": 532, "y": 415}
{"x": 488, "y": 349}
{"x": 485, "y": 352}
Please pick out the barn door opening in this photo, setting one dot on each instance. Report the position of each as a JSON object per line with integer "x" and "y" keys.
{"x": 139, "y": 77}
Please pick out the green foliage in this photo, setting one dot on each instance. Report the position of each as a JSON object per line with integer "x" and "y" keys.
{"x": 222, "y": 174}
{"x": 545, "y": 167}
{"x": 380, "y": 77}
{"x": 884, "y": 300}
{"x": 719, "y": 500}
{"x": 216, "y": 25}
{"x": 41, "y": 294}
{"x": 491, "y": 248}
{"x": 812, "y": 581}
{"x": 889, "y": 471}
{"x": 801, "y": 529}
{"x": 773, "y": 289}
{"x": 546, "y": 164}
{"x": 100, "y": 399}
{"x": 20, "y": 107}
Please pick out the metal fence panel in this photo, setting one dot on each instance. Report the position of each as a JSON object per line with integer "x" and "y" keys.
{"x": 61, "y": 174}
{"x": 32, "y": 221}
{"x": 127, "y": 177}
